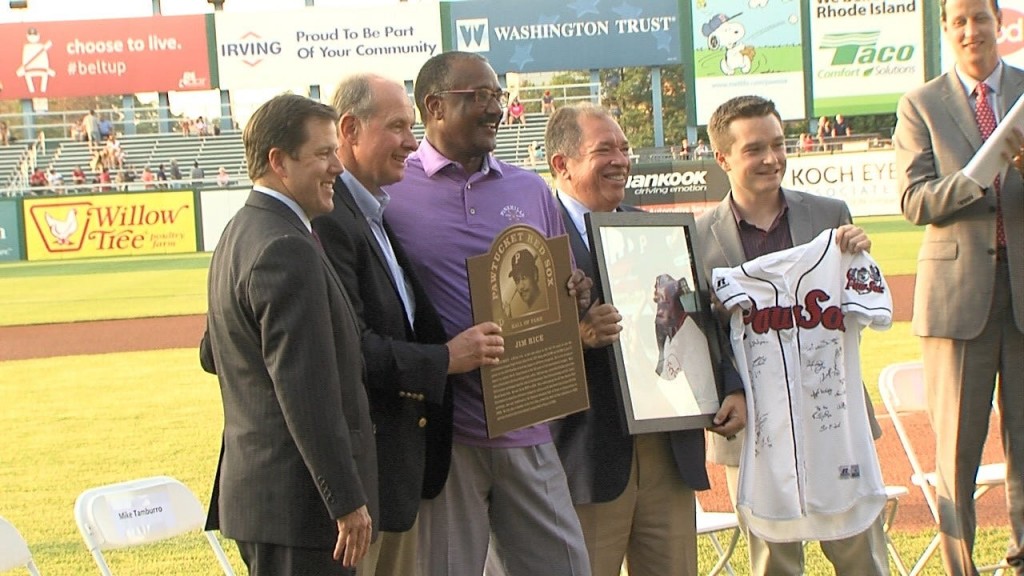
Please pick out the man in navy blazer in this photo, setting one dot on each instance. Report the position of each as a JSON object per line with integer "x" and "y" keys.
{"x": 648, "y": 518}
{"x": 404, "y": 344}
{"x": 296, "y": 484}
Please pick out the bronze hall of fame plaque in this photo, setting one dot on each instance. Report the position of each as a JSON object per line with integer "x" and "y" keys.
{"x": 520, "y": 284}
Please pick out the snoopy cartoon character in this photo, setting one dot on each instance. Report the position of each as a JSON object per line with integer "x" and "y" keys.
{"x": 724, "y": 32}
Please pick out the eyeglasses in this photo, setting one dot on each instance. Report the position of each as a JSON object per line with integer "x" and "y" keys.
{"x": 482, "y": 96}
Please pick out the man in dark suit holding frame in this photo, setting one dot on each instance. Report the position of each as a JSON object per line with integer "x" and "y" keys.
{"x": 648, "y": 518}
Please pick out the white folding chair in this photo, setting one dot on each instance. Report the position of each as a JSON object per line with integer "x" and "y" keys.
{"x": 902, "y": 388}
{"x": 14, "y": 552}
{"x": 710, "y": 524}
{"x": 140, "y": 512}
{"x": 892, "y": 503}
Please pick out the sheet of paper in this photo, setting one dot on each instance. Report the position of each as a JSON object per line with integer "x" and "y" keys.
{"x": 988, "y": 160}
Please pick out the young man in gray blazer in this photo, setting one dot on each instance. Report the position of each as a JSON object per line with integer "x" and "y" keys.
{"x": 758, "y": 217}
{"x": 296, "y": 484}
{"x": 969, "y": 297}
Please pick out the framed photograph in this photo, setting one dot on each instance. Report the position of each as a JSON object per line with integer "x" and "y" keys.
{"x": 649, "y": 271}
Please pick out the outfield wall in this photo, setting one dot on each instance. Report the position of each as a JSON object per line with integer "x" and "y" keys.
{"x": 186, "y": 221}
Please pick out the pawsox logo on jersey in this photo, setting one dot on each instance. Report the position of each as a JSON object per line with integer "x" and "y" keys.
{"x": 806, "y": 316}
{"x": 865, "y": 280}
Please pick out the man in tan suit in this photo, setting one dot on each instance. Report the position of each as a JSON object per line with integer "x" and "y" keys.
{"x": 969, "y": 300}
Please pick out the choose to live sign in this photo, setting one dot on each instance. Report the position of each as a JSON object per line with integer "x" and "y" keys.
{"x": 122, "y": 56}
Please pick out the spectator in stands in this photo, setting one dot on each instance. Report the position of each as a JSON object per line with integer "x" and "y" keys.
{"x": 92, "y": 129}
{"x": 161, "y": 176}
{"x": 56, "y": 180}
{"x": 114, "y": 153}
{"x": 215, "y": 128}
{"x": 97, "y": 162}
{"x": 824, "y": 131}
{"x": 106, "y": 129}
{"x": 148, "y": 179}
{"x": 547, "y": 103}
{"x": 175, "y": 174}
{"x": 685, "y": 150}
{"x": 40, "y": 143}
{"x": 199, "y": 126}
{"x": 806, "y": 142}
{"x": 38, "y": 181}
{"x": 78, "y": 132}
{"x": 839, "y": 127}
{"x": 104, "y": 180}
{"x": 535, "y": 153}
{"x": 186, "y": 126}
{"x": 516, "y": 113}
{"x": 78, "y": 177}
{"x": 197, "y": 175}
{"x": 701, "y": 151}
{"x": 121, "y": 181}
{"x": 223, "y": 178}
{"x": 5, "y": 134}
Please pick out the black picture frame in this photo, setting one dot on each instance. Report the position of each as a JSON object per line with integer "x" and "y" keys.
{"x": 648, "y": 269}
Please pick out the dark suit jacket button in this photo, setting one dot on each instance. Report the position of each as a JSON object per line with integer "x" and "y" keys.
{"x": 991, "y": 251}
{"x": 422, "y": 423}
{"x": 420, "y": 397}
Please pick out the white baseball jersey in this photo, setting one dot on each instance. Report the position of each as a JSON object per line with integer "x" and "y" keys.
{"x": 808, "y": 470}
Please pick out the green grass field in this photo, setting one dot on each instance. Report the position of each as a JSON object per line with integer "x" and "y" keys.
{"x": 80, "y": 421}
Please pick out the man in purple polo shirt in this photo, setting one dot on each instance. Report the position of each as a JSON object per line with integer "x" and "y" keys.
{"x": 455, "y": 199}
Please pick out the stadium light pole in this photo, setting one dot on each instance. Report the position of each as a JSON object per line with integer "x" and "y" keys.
{"x": 225, "y": 96}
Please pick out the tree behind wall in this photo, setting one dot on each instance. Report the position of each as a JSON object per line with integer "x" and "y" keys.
{"x": 631, "y": 89}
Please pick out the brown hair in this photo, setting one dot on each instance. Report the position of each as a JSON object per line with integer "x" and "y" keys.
{"x": 280, "y": 123}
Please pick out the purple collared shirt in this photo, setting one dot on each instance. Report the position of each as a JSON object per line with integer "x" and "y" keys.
{"x": 442, "y": 215}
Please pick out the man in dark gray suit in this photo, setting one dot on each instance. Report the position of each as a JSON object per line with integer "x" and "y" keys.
{"x": 634, "y": 495}
{"x": 408, "y": 357}
{"x": 758, "y": 217}
{"x": 969, "y": 296}
{"x": 296, "y": 484}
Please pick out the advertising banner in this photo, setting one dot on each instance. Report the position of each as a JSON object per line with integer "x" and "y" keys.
{"x": 10, "y": 232}
{"x": 683, "y": 186}
{"x": 540, "y": 36}
{"x": 866, "y": 181}
{"x": 134, "y": 224}
{"x": 748, "y": 47}
{"x": 865, "y": 54}
{"x": 98, "y": 57}
{"x": 322, "y": 45}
